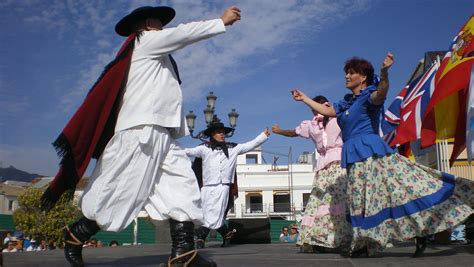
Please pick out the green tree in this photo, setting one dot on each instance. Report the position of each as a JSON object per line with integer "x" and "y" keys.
{"x": 41, "y": 225}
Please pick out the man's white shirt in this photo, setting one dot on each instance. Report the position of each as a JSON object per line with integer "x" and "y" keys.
{"x": 153, "y": 95}
{"x": 216, "y": 167}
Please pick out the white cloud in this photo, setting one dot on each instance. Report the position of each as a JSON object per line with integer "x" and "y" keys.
{"x": 266, "y": 26}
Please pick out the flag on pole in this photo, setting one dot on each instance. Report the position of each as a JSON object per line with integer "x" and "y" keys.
{"x": 445, "y": 115}
{"x": 470, "y": 119}
{"x": 413, "y": 107}
{"x": 392, "y": 116}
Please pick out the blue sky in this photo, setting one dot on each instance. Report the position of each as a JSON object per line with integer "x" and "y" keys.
{"x": 54, "y": 50}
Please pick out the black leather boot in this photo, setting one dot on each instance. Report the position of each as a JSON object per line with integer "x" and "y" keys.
{"x": 360, "y": 253}
{"x": 74, "y": 237}
{"x": 183, "y": 253}
{"x": 226, "y": 235}
{"x": 420, "y": 243}
{"x": 201, "y": 235}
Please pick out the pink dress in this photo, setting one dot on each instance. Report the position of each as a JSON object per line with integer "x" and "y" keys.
{"x": 323, "y": 222}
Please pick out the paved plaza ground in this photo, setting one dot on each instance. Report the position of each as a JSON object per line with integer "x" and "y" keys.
{"x": 259, "y": 255}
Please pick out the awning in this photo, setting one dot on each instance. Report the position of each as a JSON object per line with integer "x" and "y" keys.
{"x": 281, "y": 192}
{"x": 253, "y": 193}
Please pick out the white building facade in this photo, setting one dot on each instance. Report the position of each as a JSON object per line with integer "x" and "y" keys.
{"x": 269, "y": 190}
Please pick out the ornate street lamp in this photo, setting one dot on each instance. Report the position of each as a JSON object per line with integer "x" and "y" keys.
{"x": 210, "y": 116}
{"x": 211, "y": 100}
{"x": 233, "y": 118}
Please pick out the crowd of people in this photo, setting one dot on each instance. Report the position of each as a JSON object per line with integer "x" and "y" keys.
{"x": 131, "y": 120}
{"x": 18, "y": 242}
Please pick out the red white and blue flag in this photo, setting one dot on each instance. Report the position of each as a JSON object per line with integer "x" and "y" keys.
{"x": 392, "y": 116}
{"x": 413, "y": 107}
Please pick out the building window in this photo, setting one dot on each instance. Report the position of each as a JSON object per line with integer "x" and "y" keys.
{"x": 256, "y": 204}
{"x": 253, "y": 202}
{"x": 251, "y": 159}
{"x": 10, "y": 205}
{"x": 281, "y": 202}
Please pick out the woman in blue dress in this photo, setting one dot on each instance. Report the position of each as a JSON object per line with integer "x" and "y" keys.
{"x": 390, "y": 198}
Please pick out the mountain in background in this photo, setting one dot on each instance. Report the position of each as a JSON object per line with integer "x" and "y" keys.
{"x": 13, "y": 174}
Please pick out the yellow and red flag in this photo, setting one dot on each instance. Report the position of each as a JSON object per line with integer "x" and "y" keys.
{"x": 445, "y": 116}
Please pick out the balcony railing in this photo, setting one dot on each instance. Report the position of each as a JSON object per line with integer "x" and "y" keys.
{"x": 265, "y": 209}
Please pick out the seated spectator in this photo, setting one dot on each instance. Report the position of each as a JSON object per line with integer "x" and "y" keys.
{"x": 18, "y": 233}
{"x": 18, "y": 244}
{"x": 292, "y": 237}
{"x": 33, "y": 246}
{"x": 7, "y": 238}
{"x": 284, "y": 234}
{"x": 26, "y": 243}
{"x": 92, "y": 243}
{"x": 113, "y": 243}
{"x": 10, "y": 247}
{"x": 43, "y": 246}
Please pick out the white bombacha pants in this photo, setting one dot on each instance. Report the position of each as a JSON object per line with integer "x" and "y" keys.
{"x": 142, "y": 167}
{"x": 214, "y": 204}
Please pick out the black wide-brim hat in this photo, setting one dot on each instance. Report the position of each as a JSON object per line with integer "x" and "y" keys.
{"x": 164, "y": 13}
{"x": 216, "y": 126}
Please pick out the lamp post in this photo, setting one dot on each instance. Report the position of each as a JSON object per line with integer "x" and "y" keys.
{"x": 210, "y": 116}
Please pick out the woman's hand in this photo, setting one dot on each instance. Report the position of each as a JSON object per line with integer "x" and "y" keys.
{"x": 276, "y": 128}
{"x": 378, "y": 97}
{"x": 387, "y": 62}
{"x": 298, "y": 95}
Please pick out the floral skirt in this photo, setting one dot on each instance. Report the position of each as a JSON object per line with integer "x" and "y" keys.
{"x": 324, "y": 221}
{"x": 393, "y": 199}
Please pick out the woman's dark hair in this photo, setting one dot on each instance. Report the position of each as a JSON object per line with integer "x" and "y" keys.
{"x": 321, "y": 100}
{"x": 361, "y": 66}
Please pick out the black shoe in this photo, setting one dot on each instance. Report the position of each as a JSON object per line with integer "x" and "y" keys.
{"x": 360, "y": 253}
{"x": 420, "y": 243}
{"x": 72, "y": 249}
{"x": 200, "y": 244}
{"x": 74, "y": 237}
{"x": 319, "y": 249}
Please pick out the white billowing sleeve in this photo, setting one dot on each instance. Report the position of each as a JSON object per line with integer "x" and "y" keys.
{"x": 197, "y": 152}
{"x": 246, "y": 147}
{"x": 158, "y": 43}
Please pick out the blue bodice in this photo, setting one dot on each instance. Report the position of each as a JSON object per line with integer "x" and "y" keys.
{"x": 359, "y": 120}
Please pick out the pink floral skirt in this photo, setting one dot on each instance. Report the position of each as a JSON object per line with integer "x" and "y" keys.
{"x": 324, "y": 220}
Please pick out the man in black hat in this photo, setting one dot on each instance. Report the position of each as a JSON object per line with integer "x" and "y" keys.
{"x": 141, "y": 165}
{"x": 219, "y": 161}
